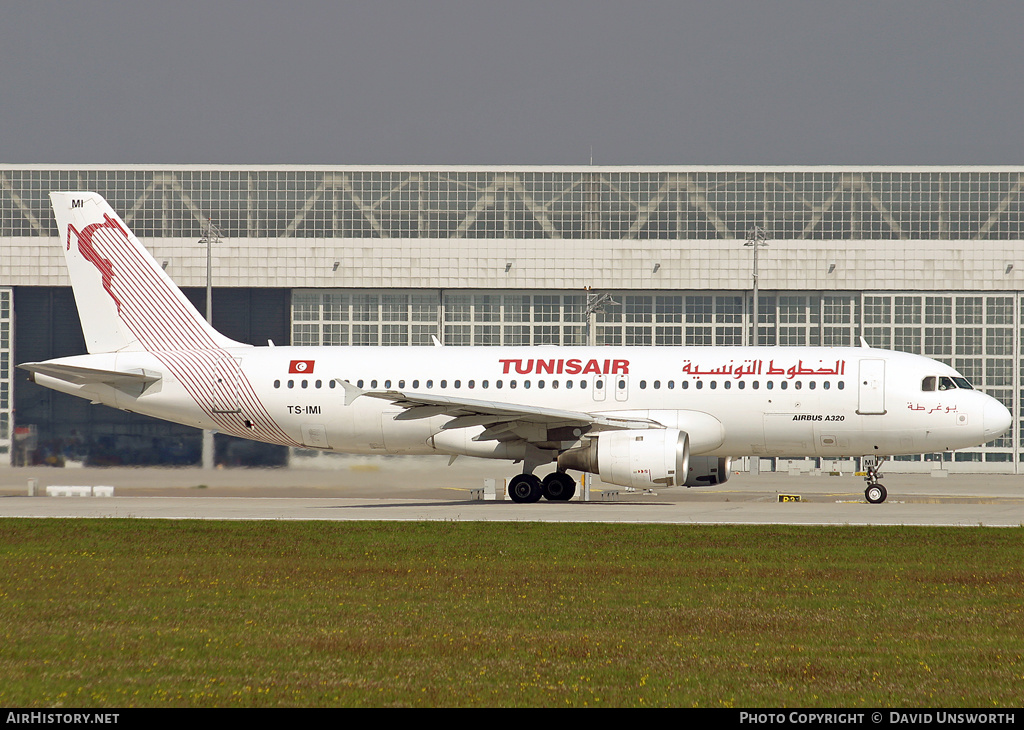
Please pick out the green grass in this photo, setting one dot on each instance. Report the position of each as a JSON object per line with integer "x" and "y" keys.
{"x": 198, "y": 613}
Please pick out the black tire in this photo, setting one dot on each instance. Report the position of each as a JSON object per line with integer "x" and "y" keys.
{"x": 875, "y": 494}
{"x": 525, "y": 488}
{"x": 559, "y": 487}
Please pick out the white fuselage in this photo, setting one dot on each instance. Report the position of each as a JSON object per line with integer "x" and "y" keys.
{"x": 735, "y": 401}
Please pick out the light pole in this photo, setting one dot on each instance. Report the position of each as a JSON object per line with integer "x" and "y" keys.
{"x": 210, "y": 236}
{"x": 595, "y": 304}
{"x": 756, "y": 238}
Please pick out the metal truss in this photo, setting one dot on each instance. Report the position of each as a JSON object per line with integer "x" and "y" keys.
{"x": 601, "y": 203}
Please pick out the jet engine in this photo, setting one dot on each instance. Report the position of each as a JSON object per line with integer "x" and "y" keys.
{"x": 706, "y": 471}
{"x": 640, "y": 459}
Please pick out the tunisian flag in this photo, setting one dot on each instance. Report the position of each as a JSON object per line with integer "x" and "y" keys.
{"x": 304, "y": 367}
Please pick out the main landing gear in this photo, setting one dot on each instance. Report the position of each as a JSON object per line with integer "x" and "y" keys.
{"x": 875, "y": 493}
{"x": 555, "y": 487}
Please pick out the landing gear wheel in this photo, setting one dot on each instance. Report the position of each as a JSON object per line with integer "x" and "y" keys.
{"x": 875, "y": 494}
{"x": 525, "y": 488}
{"x": 558, "y": 487}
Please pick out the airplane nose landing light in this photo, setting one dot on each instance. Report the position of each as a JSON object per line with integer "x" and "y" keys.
{"x": 996, "y": 418}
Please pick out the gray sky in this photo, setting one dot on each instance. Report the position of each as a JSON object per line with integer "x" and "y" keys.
{"x": 459, "y": 82}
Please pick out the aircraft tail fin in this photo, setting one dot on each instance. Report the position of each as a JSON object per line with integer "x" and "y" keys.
{"x": 125, "y": 300}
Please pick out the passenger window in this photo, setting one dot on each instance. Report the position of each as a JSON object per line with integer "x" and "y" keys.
{"x": 305, "y": 383}
{"x": 277, "y": 383}
{"x": 359, "y": 383}
{"x": 319, "y": 383}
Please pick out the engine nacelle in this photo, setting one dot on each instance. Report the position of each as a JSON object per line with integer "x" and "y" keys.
{"x": 706, "y": 471}
{"x": 640, "y": 459}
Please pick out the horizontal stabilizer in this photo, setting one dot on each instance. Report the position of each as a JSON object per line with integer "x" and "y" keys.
{"x": 132, "y": 382}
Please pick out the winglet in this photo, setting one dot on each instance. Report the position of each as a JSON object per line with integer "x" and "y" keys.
{"x": 437, "y": 342}
{"x": 864, "y": 343}
{"x": 351, "y": 391}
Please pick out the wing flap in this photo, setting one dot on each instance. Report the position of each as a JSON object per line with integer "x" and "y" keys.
{"x": 498, "y": 418}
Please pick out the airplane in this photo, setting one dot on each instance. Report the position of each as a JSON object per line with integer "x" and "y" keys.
{"x": 639, "y": 417}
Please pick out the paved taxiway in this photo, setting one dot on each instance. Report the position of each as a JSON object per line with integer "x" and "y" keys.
{"x": 426, "y": 489}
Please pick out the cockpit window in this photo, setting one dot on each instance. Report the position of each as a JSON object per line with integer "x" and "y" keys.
{"x": 944, "y": 382}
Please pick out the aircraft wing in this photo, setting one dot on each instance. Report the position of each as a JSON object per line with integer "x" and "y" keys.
{"x": 502, "y": 421}
{"x": 133, "y": 382}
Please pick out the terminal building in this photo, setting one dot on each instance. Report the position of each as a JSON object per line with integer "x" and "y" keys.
{"x": 921, "y": 259}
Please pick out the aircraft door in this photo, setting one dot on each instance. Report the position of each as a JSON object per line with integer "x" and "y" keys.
{"x": 871, "y": 388}
{"x": 621, "y": 387}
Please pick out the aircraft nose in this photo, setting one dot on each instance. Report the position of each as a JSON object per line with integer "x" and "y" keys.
{"x": 996, "y": 419}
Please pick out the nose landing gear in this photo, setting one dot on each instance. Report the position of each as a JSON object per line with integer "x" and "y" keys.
{"x": 875, "y": 493}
